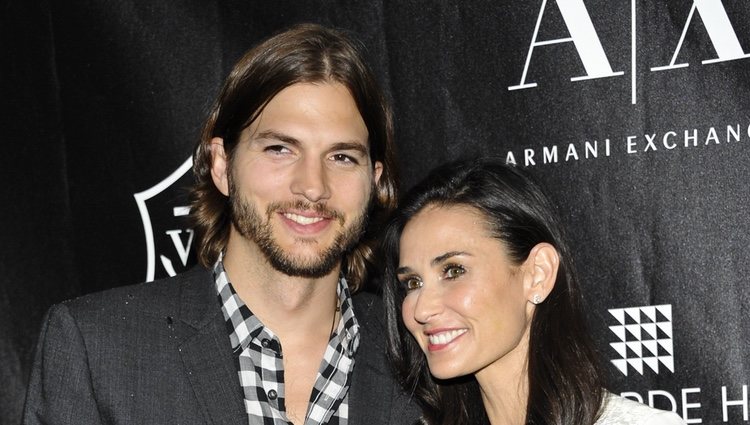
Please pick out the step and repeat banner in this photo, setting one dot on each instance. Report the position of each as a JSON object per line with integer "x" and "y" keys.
{"x": 634, "y": 114}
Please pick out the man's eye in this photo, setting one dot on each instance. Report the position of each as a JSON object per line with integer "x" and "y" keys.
{"x": 453, "y": 271}
{"x": 277, "y": 149}
{"x": 411, "y": 283}
{"x": 340, "y": 157}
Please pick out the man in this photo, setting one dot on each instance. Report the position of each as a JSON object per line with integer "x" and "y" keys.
{"x": 296, "y": 153}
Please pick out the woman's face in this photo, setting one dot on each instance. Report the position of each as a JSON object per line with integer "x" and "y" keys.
{"x": 466, "y": 302}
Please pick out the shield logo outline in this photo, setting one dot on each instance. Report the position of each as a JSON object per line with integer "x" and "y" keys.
{"x": 140, "y": 200}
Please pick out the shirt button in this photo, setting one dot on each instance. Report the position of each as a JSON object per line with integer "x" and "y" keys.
{"x": 272, "y": 394}
{"x": 265, "y": 343}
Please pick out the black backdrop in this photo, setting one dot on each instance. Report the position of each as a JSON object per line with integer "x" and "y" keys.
{"x": 634, "y": 113}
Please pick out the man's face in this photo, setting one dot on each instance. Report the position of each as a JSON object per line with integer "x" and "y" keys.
{"x": 301, "y": 179}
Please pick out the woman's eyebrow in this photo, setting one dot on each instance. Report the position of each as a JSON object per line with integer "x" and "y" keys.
{"x": 435, "y": 261}
{"x": 441, "y": 258}
{"x": 404, "y": 270}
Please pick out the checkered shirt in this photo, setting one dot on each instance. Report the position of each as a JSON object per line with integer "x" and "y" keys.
{"x": 261, "y": 365}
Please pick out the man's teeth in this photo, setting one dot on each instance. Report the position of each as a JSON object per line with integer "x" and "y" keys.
{"x": 302, "y": 219}
{"x": 445, "y": 337}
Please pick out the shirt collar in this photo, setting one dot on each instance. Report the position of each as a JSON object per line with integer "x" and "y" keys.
{"x": 246, "y": 326}
{"x": 348, "y": 329}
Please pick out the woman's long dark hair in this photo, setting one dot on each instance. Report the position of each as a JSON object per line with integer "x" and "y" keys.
{"x": 565, "y": 381}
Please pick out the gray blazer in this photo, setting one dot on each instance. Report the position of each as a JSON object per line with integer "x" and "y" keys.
{"x": 158, "y": 353}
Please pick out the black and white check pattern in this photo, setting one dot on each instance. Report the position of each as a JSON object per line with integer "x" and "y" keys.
{"x": 261, "y": 366}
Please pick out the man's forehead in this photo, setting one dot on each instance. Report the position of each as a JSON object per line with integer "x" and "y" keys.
{"x": 305, "y": 112}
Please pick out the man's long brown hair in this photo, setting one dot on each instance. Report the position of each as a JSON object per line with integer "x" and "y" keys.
{"x": 306, "y": 53}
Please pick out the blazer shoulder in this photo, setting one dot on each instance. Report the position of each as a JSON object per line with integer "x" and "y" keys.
{"x": 122, "y": 350}
{"x": 366, "y": 300}
{"x": 157, "y": 296}
{"x": 368, "y": 309}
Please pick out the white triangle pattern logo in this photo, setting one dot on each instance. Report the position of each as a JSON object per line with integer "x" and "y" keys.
{"x": 637, "y": 344}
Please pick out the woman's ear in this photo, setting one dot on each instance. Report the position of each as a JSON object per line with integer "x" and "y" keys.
{"x": 219, "y": 166}
{"x": 541, "y": 269}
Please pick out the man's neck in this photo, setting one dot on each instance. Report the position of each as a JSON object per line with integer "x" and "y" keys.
{"x": 288, "y": 305}
{"x": 301, "y": 312}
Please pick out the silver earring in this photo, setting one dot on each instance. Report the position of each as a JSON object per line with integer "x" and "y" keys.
{"x": 536, "y": 299}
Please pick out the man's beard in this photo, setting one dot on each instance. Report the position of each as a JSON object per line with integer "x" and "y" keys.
{"x": 252, "y": 226}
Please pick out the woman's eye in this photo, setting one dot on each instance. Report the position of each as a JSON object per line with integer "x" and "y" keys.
{"x": 411, "y": 283}
{"x": 453, "y": 271}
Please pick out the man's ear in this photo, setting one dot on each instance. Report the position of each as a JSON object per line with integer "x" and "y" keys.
{"x": 377, "y": 171}
{"x": 219, "y": 165}
{"x": 541, "y": 272}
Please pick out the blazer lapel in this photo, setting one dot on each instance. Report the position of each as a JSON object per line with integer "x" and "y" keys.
{"x": 370, "y": 395}
{"x": 207, "y": 354}
{"x": 375, "y": 397}
{"x": 371, "y": 392}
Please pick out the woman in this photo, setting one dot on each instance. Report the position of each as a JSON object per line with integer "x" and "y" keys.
{"x": 484, "y": 310}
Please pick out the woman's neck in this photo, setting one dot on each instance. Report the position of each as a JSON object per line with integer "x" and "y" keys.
{"x": 505, "y": 386}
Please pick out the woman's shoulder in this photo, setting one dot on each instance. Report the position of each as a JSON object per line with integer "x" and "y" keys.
{"x": 622, "y": 411}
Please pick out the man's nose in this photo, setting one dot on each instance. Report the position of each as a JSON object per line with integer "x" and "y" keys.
{"x": 311, "y": 180}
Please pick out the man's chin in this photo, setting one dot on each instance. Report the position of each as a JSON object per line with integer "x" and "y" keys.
{"x": 307, "y": 263}
{"x": 307, "y": 270}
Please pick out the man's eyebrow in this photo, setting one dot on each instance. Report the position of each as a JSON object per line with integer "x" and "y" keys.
{"x": 275, "y": 135}
{"x": 441, "y": 258}
{"x": 340, "y": 146}
{"x": 350, "y": 146}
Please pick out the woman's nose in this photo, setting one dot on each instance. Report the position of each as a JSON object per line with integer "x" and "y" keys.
{"x": 429, "y": 304}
